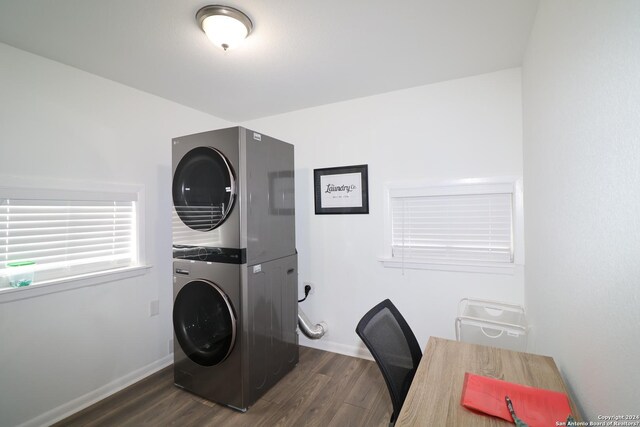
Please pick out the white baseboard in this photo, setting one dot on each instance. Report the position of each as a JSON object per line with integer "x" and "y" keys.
{"x": 78, "y": 404}
{"x": 334, "y": 347}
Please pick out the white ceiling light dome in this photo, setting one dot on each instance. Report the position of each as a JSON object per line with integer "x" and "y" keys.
{"x": 225, "y": 26}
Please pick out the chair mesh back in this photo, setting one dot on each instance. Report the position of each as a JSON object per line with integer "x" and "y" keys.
{"x": 394, "y": 347}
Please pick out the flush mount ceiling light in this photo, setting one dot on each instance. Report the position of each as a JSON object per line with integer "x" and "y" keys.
{"x": 224, "y": 25}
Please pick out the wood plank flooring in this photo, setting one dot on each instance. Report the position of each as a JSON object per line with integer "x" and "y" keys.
{"x": 325, "y": 389}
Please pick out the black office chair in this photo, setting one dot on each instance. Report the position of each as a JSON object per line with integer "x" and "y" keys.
{"x": 394, "y": 348}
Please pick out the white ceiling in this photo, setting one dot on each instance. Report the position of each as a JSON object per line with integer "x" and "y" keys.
{"x": 302, "y": 53}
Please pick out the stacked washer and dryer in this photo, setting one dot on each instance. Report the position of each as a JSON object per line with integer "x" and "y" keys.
{"x": 234, "y": 264}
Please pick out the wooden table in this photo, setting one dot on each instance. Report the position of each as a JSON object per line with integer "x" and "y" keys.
{"x": 434, "y": 396}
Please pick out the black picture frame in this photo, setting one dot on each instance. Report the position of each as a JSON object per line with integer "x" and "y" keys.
{"x": 339, "y": 190}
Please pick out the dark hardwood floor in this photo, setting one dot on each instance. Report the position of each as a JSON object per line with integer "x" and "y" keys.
{"x": 325, "y": 389}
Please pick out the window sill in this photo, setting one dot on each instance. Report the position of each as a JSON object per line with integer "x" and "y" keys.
{"x": 487, "y": 268}
{"x": 59, "y": 285}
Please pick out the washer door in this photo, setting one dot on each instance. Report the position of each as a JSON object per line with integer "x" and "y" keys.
{"x": 203, "y": 189}
{"x": 204, "y": 322}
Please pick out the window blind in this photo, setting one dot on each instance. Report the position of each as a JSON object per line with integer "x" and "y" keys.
{"x": 462, "y": 228}
{"x": 67, "y": 237}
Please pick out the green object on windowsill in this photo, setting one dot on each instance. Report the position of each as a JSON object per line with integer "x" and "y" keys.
{"x": 20, "y": 273}
{"x": 21, "y": 263}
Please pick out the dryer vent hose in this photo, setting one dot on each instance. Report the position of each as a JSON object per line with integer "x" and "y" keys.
{"x": 312, "y": 331}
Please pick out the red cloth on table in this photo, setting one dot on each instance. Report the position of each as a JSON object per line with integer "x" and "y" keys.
{"x": 534, "y": 406}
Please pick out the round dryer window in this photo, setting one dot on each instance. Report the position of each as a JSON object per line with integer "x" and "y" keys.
{"x": 203, "y": 189}
{"x": 204, "y": 323}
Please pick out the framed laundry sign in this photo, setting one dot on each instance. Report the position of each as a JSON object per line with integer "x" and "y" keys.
{"x": 341, "y": 190}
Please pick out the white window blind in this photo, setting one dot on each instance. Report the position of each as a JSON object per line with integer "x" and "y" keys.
{"x": 67, "y": 236}
{"x": 452, "y": 228}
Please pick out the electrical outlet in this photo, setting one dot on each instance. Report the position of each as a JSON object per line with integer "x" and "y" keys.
{"x": 313, "y": 287}
{"x": 154, "y": 308}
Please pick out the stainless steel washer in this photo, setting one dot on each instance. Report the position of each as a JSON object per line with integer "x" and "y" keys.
{"x": 234, "y": 328}
{"x": 207, "y": 347}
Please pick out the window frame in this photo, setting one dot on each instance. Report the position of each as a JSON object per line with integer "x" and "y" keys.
{"x": 33, "y": 188}
{"x": 467, "y": 186}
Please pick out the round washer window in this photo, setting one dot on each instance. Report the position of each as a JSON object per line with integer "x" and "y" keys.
{"x": 204, "y": 323}
{"x": 203, "y": 189}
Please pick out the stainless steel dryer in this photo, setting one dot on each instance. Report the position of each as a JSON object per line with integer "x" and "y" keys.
{"x": 235, "y": 264}
{"x": 233, "y": 197}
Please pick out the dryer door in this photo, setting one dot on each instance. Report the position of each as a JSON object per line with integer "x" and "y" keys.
{"x": 204, "y": 322}
{"x": 203, "y": 188}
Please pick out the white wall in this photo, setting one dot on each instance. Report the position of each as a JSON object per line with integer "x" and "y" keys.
{"x": 581, "y": 92}
{"x": 470, "y": 127}
{"x": 59, "y": 122}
